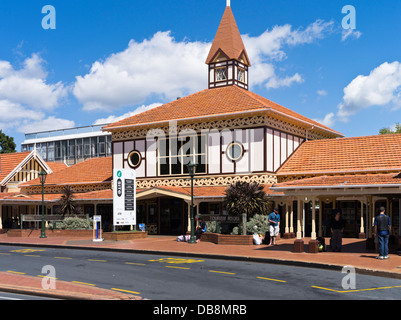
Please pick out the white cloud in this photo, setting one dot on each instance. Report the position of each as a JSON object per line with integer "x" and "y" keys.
{"x": 27, "y": 86}
{"x": 382, "y": 87}
{"x": 275, "y": 82}
{"x": 268, "y": 48}
{"x": 322, "y": 92}
{"x": 350, "y": 33}
{"x": 328, "y": 120}
{"x": 26, "y": 97}
{"x": 48, "y": 124}
{"x": 164, "y": 68}
{"x": 113, "y": 118}
{"x": 159, "y": 66}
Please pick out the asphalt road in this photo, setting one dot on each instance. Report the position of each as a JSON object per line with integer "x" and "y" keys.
{"x": 180, "y": 278}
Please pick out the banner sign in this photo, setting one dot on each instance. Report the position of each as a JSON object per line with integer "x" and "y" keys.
{"x": 124, "y": 197}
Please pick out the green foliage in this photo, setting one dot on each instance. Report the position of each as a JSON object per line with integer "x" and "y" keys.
{"x": 257, "y": 224}
{"x": 390, "y": 131}
{"x": 75, "y": 223}
{"x": 244, "y": 197}
{"x": 7, "y": 144}
{"x": 211, "y": 226}
{"x": 67, "y": 203}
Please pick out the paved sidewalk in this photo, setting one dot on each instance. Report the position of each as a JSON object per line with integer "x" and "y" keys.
{"x": 354, "y": 254}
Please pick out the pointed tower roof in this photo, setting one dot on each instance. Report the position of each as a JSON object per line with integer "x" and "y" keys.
{"x": 228, "y": 40}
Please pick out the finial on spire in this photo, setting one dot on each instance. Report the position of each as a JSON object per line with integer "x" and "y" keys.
{"x": 228, "y": 3}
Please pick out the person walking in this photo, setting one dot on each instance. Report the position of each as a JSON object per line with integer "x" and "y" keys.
{"x": 274, "y": 228}
{"x": 337, "y": 228}
{"x": 382, "y": 232}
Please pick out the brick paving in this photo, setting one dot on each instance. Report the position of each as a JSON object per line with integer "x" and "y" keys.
{"x": 354, "y": 254}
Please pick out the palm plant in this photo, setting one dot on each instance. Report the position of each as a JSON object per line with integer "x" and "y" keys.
{"x": 244, "y": 197}
{"x": 67, "y": 204}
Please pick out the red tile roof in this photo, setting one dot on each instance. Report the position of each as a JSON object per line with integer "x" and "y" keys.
{"x": 347, "y": 155}
{"x": 95, "y": 170}
{"x": 9, "y": 161}
{"x": 343, "y": 181}
{"x": 228, "y": 101}
{"x": 228, "y": 39}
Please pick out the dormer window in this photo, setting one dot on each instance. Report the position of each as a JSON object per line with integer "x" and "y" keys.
{"x": 221, "y": 74}
{"x": 241, "y": 75}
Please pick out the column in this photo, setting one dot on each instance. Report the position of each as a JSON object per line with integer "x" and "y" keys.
{"x": 320, "y": 232}
{"x": 287, "y": 229}
{"x": 292, "y": 234}
{"x": 299, "y": 217}
{"x": 299, "y": 243}
{"x": 313, "y": 243}
{"x": 362, "y": 234}
{"x": 313, "y": 233}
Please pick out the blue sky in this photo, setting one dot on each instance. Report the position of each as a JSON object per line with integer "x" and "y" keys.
{"x": 110, "y": 58}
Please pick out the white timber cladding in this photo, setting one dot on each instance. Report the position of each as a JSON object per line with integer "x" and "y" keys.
{"x": 263, "y": 150}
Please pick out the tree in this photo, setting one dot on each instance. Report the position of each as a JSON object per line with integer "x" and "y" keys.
{"x": 67, "y": 204}
{"x": 7, "y": 144}
{"x": 244, "y": 197}
{"x": 391, "y": 131}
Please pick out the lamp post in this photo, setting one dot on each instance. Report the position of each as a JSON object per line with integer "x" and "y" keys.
{"x": 42, "y": 178}
{"x": 191, "y": 170}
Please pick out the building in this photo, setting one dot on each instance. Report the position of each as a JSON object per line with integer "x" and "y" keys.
{"x": 71, "y": 145}
{"x": 231, "y": 133}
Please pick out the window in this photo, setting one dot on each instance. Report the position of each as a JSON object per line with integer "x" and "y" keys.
{"x": 87, "y": 147}
{"x": 94, "y": 147}
{"x": 175, "y": 154}
{"x": 71, "y": 149}
{"x": 80, "y": 150}
{"x": 221, "y": 74}
{"x": 134, "y": 159}
{"x": 50, "y": 151}
{"x": 235, "y": 151}
{"x": 241, "y": 75}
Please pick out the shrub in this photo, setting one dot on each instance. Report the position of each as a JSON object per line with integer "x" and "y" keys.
{"x": 74, "y": 223}
{"x": 257, "y": 224}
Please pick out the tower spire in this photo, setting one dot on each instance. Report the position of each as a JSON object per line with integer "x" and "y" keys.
{"x": 227, "y": 59}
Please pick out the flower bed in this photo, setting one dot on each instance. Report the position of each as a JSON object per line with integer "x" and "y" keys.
{"x": 227, "y": 239}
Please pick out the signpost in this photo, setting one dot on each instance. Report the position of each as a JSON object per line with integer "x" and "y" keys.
{"x": 97, "y": 228}
{"x": 124, "y": 197}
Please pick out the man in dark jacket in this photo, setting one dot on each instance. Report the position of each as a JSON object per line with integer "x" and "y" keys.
{"x": 382, "y": 231}
{"x": 201, "y": 229}
{"x": 337, "y": 228}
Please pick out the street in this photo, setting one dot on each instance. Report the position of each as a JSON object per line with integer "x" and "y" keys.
{"x": 181, "y": 278}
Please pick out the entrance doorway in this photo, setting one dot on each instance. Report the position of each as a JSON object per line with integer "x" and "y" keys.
{"x": 163, "y": 215}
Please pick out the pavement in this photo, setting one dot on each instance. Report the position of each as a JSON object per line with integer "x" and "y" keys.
{"x": 354, "y": 253}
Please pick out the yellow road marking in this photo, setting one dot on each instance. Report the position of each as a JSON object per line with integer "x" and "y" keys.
{"x": 137, "y": 264}
{"x": 42, "y": 276}
{"x": 177, "y": 267}
{"x": 26, "y": 250}
{"x": 356, "y": 290}
{"x": 127, "y": 291}
{"x": 31, "y": 255}
{"x": 88, "y": 284}
{"x": 62, "y": 258}
{"x": 16, "y": 272}
{"x": 221, "y": 272}
{"x": 176, "y": 260}
{"x": 97, "y": 260}
{"x": 271, "y": 279}
{"x": 7, "y": 254}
